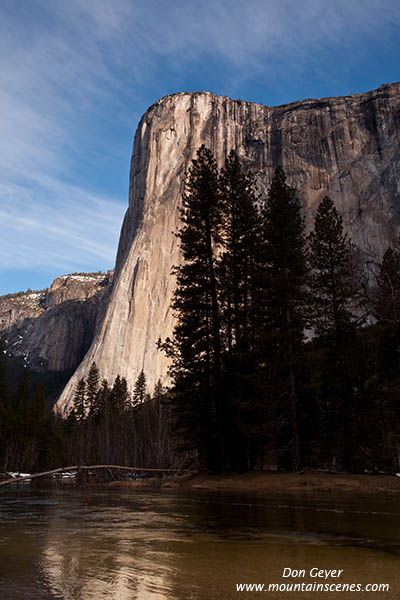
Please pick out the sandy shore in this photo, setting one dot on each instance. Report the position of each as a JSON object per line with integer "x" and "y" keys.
{"x": 275, "y": 483}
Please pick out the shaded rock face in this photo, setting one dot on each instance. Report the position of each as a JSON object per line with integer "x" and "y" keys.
{"x": 345, "y": 147}
{"x": 14, "y": 308}
{"x": 76, "y": 287}
{"x": 52, "y": 330}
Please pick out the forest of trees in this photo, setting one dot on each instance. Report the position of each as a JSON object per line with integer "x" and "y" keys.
{"x": 285, "y": 353}
{"x": 106, "y": 425}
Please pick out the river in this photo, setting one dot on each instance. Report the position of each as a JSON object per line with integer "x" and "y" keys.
{"x": 58, "y": 543}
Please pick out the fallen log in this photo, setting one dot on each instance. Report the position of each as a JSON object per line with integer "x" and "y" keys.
{"x": 87, "y": 468}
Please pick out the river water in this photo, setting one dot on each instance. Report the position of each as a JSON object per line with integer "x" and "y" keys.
{"x": 181, "y": 545}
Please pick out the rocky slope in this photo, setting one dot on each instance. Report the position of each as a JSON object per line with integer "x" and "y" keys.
{"x": 346, "y": 147}
{"x": 53, "y": 329}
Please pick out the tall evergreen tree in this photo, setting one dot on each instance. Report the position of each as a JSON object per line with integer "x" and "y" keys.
{"x": 38, "y": 406}
{"x": 240, "y": 238}
{"x": 333, "y": 274}
{"x": 333, "y": 298}
{"x": 197, "y": 334}
{"x": 159, "y": 392}
{"x": 387, "y": 299}
{"x": 285, "y": 278}
{"x": 40, "y": 429}
{"x": 196, "y": 347}
{"x": 20, "y": 398}
{"x": 119, "y": 396}
{"x": 101, "y": 404}
{"x": 139, "y": 391}
{"x": 3, "y": 379}
{"x": 237, "y": 280}
{"x": 4, "y": 405}
{"x": 386, "y": 308}
{"x": 92, "y": 387}
{"x": 80, "y": 400}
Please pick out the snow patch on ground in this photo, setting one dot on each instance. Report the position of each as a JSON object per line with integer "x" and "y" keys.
{"x": 83, "y": 278}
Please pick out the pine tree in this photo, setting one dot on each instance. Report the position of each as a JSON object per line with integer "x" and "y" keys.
{"x": 17, "y": 422}
{"x": 80, "y": 400}
{"x": 160, "y": 421}
{"x": 139, "y": 392}
{"x": 195, "y": 350}
{"x": 3, "y": 380}
{"x": 159, "y": 392}
{"x": 240, "y": 238}
{"x": 4, "y": 406}
{"x": 197, "y": 344}
{"x": 387, "y": 299}
{"x": 101, "y": 404}
{"x": 119, "y": 397}
{"x": 4, "y": 401}
{"x": 92, "y": 387}
{"x": 333, "y": 300}
{"x": 237, "y": 279}
{"x": 38, "y": 407}
{"x": 386, "y": 306}
{"x": 39, "y": 426}
{"x": 283, "y": 306}
{"x": 20, "y": 398}
{"x": 332, "y": 283}
{"x": 386, "y": 310}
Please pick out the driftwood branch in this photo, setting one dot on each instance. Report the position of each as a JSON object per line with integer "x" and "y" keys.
{"x": 86, "y": 468}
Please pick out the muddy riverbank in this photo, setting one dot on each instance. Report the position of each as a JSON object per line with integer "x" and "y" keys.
{"x": 311, "y": 482}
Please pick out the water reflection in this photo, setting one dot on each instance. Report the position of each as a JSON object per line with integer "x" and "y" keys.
{"x": 174, "y": 546}
{"x": 111, "y": 554}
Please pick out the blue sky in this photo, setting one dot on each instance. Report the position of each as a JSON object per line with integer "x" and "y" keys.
{"x": 76, "y": 76}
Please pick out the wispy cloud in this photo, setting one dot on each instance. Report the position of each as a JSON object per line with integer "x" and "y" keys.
{"x": 76, "y": 75}
{"x": 66, "y": 229}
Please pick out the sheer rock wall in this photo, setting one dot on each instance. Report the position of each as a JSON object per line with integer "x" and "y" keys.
{"x": 346, "y": 147}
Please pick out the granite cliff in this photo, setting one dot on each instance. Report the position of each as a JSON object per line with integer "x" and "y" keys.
{"x": 345, "y": 147}
{"x": 51, "y": 330}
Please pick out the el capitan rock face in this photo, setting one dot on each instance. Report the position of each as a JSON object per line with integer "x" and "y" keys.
{"x": 347, "y": 148}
